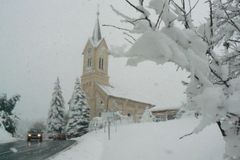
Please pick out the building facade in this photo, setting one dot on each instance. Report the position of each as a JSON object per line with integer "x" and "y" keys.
{"x": 103, "y": 97}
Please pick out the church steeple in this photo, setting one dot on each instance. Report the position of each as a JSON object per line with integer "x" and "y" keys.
{"x": 95, "y": 66}
{"x": 95, "y": 60}
{"x": 96, "y": 36}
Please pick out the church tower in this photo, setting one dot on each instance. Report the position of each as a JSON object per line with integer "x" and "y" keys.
{"x": 95, "y": 65}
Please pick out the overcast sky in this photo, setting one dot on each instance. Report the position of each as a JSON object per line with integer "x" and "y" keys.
{"x": 43, "y": 39}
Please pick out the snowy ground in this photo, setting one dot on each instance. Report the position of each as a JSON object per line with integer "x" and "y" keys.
{"x": 5, "y": 137}
{"x": 149, "y": 141}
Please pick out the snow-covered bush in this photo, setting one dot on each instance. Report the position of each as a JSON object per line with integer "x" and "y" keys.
{"x": 213, "y": 90}
{"x": 96, "y": 123}
{"x": 147, "y": 116}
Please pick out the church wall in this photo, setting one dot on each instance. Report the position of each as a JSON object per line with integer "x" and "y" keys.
{"x": 128, "y": 107}
{"x": 125, "y": 106}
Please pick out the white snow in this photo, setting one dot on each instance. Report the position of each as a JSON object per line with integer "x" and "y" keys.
{"x": 5, "y": 137}
{"x": 156, "y": 108}
{"x": 149, "y": 141}
{"x": 209, "y": 102}
{"x": 14, "y": 150}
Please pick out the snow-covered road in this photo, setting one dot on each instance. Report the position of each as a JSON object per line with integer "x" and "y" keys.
{"x": 22, "y": 150}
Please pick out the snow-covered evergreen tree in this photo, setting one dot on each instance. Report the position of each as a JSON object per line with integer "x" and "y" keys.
{"x": 55, "y": 121}
{"x": 79, "y": 118}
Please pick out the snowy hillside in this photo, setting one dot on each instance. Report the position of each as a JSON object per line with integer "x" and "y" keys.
{"x": 149, "y": 141}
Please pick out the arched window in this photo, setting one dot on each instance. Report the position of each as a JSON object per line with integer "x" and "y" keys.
{"x": 89, "y": 63}
{"x": 100, "y": 63}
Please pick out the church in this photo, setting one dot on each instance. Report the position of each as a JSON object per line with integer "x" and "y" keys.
{"x": 101, "y": 96}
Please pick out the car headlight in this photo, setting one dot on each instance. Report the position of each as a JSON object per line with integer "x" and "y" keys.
{"x": 29, "y": 135}
{"x": 39, "y": 135}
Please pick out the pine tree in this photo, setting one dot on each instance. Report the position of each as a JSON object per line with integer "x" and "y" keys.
{"x": 55, "y": 122}
{"x": 78, "y": 113}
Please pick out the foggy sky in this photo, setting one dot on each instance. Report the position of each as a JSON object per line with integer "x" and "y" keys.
{"x": 41, "y": 40}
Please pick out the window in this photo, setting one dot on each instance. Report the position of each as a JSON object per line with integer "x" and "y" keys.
{"x": 89, "y": 63}
{"x": 100, "y": 64}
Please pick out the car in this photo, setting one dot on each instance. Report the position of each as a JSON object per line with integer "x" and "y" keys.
{"x": 60, "y": 136}
{"x": 34, "y": 134}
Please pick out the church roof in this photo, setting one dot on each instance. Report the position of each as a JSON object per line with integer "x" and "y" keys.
{"x": 119, "y": 93}
{"x": 160, "y": 108}
{"x": 130, "y": 95}
{"x": 96, "y": 36}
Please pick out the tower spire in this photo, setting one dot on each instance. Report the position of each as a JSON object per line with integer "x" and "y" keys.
{"x": 96, "y": 37}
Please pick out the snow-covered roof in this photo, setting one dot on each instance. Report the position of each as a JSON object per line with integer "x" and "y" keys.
{"x": 159, "y": 108}
{"x": 126, "y": 94}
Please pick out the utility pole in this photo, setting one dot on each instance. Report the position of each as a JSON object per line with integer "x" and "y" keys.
{"x": 109, "y": 124}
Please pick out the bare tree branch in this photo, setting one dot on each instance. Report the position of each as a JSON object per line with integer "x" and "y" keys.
{"x": 139, "y": 19}
{"x": 185, "y": 135}
{"x": 120, "y": 28}
{"x": 233, "y": 40}
{"x": 159, "y": 16}
{"x": 130, "y": 36}
{"x": 221, "y": 129}
{"x": 183, "y": 11}
{"x": 176, "y": 5}
{"x": 129, "y": 41}
{"x": 141, "y": 11}
{"x": 191, "y": 8}
{"x": 211, "y": 23}
{"x": 231, "y": 21}
{"x": 220, "y": 78}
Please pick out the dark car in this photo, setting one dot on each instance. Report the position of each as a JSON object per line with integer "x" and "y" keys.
{"x": 35, "y": 134}
{"x": 60, "y": 136}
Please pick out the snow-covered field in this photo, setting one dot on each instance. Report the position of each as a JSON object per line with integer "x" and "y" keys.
{"x": 5, "y": 137}
{"x": 149, "y": 141}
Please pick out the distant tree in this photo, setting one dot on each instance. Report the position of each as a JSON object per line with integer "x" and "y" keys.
{"x": 79, "y": 118}
{"x": 55, "y": 121}
{"x": 7, "y": 118}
